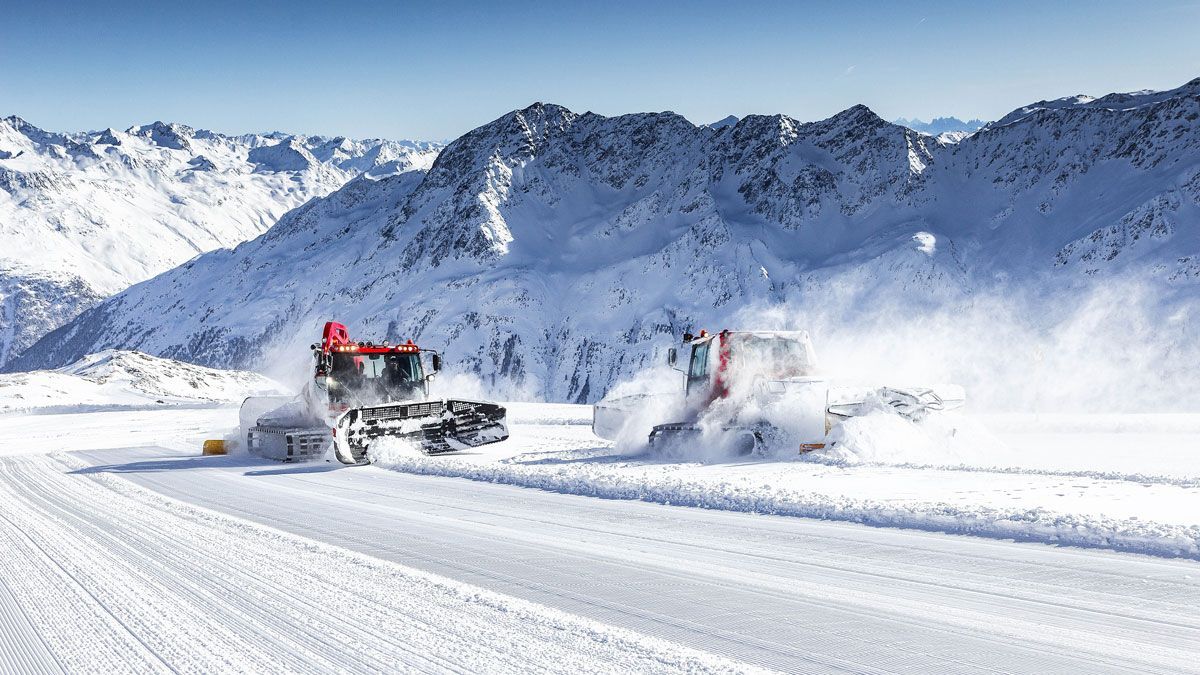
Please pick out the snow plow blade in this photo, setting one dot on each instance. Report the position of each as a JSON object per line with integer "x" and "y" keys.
{"x": 434, "y": 426}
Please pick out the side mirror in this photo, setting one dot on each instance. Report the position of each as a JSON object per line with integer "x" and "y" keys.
{"x": 672, "y": 355}
{"x": 437, "y": 362}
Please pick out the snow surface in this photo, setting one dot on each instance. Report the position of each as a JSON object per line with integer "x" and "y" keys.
{"x": 124, "y": 379}
{"x": 86, "y": 215}
{"x": 175, "y": 428}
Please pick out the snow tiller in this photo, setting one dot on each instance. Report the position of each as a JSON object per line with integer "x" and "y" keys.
{"x": 362, "y": 392}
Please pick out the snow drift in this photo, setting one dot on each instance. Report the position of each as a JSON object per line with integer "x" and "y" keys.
{"x": 1072, "y": 489}
{"x": 124, "y": 379}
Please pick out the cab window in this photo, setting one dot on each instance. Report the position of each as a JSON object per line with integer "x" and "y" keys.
{"x": 699, "y": 364}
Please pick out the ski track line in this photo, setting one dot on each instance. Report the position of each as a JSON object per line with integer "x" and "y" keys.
{"x": 641, "y": 611}
{"x": 669, "y": 566}
{"x": 50, "y": 594}
{"x": 154, "y": 572}
{"x": 896, "y": 650}
{"x": 1032, "y": 591}
{"x": 1029, "y": 590}
{"x": 894, "y": 594}
{"x": 165, "y": 603}
{"x": 22, "y": 649}
{"x": 903, "y": 601}
{"x": 115, "y": 577}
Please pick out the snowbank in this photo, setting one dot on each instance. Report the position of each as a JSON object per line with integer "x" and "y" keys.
{"x": 115, "y": 379}
{"x": 626, "y": 481}
{"x": 872, "y": 480}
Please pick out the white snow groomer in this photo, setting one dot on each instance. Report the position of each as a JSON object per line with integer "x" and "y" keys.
{"x": 362, "y": 391}
{"x": 753, "y": 390}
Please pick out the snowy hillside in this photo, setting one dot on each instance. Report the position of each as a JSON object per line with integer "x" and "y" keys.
{"x": 555, "y": 253}
{"x": 127, "y": 379}
{"x": 85, "y": 215}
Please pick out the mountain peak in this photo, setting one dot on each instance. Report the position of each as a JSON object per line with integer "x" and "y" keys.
{"x": 286, "y": 155}
{"x": 109, "y": 136}
{"x": 22, "y": 126}
{"x": 165, "y": 134}
{"x": 858, "y": 115}
{"x": 532, "y": 115}
{"x": 149, "y": 205}
{"x": 538, "y": 109}
{"x": 723, "y": 122}
{"x": 857, "y": 111}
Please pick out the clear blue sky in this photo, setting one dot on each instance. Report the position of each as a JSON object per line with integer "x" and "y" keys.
{"x": 432, "y": 70}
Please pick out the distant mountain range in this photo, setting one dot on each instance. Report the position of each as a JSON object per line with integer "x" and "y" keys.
{"x": 941, "y": 125}
{"x": 85, "y": 215}
{"x": 553, "y": 253}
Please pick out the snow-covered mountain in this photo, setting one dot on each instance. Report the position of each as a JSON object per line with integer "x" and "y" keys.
{"x": 84, "y": 215}
{"x": 557, "y": 253}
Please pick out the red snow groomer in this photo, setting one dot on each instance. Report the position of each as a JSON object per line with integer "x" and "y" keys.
{"x": 753, "y": 390}
{"x": 365, "y": 391}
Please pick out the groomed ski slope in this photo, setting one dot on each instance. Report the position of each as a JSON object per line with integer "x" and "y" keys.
{"x": 99, "y": 575}
{"x": 793, "y": 594}
{"x": 787, "y": 593}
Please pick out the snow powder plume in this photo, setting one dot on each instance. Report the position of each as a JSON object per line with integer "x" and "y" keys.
{"x": 391, "y": 452}
{"x": 1122, "y": 347}
{"x": 651, "y": 397}
{"x": 775, "y": 407}
{"x": 460, "y": 384}
{"x": 881, "y": 436}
